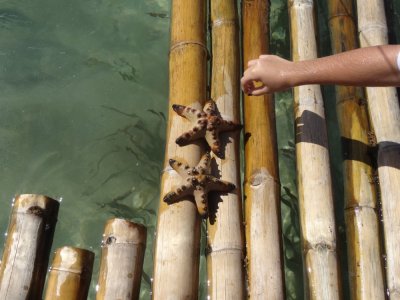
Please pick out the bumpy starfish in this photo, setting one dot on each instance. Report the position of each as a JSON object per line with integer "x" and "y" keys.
{"x": 197, "y": 182}
{"x": 207, "y": 123}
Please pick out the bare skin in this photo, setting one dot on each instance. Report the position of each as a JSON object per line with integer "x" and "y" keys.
{"x": 371, "y": 66}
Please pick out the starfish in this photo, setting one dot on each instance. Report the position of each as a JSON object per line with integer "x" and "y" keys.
{"x": 207, "y": 123}
{"x": 197, "y": 182}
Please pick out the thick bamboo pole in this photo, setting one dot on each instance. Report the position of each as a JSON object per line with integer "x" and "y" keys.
{"x": 27, "y": 248}
{"x": 385, "y": 116}
{"x": 225, "y": 224}
{"x": 363, "y": 248}
{"x": 317, "y": 220}
{"x": 176, "y": 258}
{"x": 123, "y": 248}
{"x": 261, "y": 186}
{"x": 70, "y": 274}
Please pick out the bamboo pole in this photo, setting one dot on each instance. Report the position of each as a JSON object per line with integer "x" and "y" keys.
{"x": 123, "y": 248}
{"x": 70, "y": 274}
{"x": 176, "y": 261}
{"x": 362, "y": 228}
{"x": 225, "y": 224}
{"x": 385, "y": 117}
{"x": 27, "y": 248}
{"x": 261, "y": 185}
{"x": 317, "y": 220}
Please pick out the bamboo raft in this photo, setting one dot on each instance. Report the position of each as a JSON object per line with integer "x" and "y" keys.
{"x": 244, "y": 251}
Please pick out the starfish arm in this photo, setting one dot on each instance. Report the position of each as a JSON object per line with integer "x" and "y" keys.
{"x": 179, "y": 193}
{"x": 189, "y": 113}
{"x": 228, "y": 125}
{"x": 195, "y": 133}
{"x": 215, "y": 184}
{"x": 210, "y": 107}
{"x": 213, "y": 141}
{"x": 203, "y": 167}
{"x": 200, "y": 196}
{"x": 180, "y": 167}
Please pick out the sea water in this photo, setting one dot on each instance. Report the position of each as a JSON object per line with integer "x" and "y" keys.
{"x": 83, "y": 105}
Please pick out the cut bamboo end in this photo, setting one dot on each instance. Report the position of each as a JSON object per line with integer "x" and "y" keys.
{"x": 27, "y": 248}
{"x": 70, "y": 274}
{"x": 123, "y": 247}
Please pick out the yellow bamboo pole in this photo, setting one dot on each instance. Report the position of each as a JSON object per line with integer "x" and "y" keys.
{"x": 363, "y": 248}
{"x": 385, "y": 116}
{"x": 176, "y": 257}
{"x": 225, "y": 225}
{"x": 262, "y": 186}
{"x": 70, "y": 274}
{"x": 123, "y": 247}
{"x": 26, "y": 253}
{"x": 317, "y": 220}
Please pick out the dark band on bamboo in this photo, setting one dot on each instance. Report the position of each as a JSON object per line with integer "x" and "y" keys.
{"x": 388, "y": 154}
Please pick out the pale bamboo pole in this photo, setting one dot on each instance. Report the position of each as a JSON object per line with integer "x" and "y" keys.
{"x": 317, "y": 220}
{"x": 261, "y": 186}
{"x": 385, "y": 116}
{"x": 123, "y": 247}
{"x": 176, "y": 261}
{"x": 70, "y": 274}
{"x": 27, "y": 248}
{"x": 362, "y": 228}
{"x": 225, "y": 229}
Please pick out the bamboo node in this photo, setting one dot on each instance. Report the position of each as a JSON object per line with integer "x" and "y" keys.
{"x": 341, "y": 15}
{"x": 259, "y": 177}
{"x": 187, "y": 43}
{"x": 367, "y": 28}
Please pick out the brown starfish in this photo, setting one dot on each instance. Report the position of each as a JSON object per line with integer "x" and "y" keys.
{"x": 207, "y": 123}
{"x": 197, "y": 182}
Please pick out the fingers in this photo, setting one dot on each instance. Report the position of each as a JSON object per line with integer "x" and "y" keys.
{"x": 260, "y": 91}
{"x": 252, "y": 62}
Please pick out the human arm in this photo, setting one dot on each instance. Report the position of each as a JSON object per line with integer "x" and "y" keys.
{"x": 371, "y": 66}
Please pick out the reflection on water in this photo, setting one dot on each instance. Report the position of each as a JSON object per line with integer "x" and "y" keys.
{"x": 84, "y": 88}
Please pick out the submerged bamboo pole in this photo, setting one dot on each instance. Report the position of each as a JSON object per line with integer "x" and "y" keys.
{"x": 317, "y": 220}
{"x": 225, "y": 225}
{"x": 261, "y": 185}
{"x": 26, "y": 253}
{"x": 70, "y": 274}
{"x": 385, "y": 116}
{"x": 123, "y": 247}
{"x": 176, "y": 258}
{"x": 362, "y": 228}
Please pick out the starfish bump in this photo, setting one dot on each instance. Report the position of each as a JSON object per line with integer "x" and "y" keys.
{"x": 206, "y": 123}
{"x": 197, "y": 182}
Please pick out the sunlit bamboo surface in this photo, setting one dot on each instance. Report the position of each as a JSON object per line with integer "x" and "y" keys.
{"x": 385, "y": 116}
{"x": 261, "y": 186}
{"x": 225, "y": 226}
{"x": 317, "y": 221}
{"x": 176, "y": 256}
{"x": 27, "y": 248}
{"x": 70, "y": 274}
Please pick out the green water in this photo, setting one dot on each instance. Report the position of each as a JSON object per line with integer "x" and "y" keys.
{"x": 84, "y": 89}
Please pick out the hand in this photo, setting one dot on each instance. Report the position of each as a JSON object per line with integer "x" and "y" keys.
{"x": 267, "y": 74}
